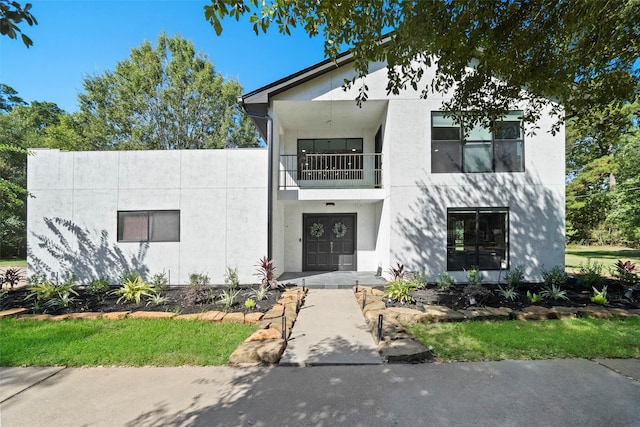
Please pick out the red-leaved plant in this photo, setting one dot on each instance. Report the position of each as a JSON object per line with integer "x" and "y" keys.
{"x": 266, "y": 272}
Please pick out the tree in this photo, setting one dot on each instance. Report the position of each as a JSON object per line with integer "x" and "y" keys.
{"x": 580, "y": 53}
{"x": 12, "y": 14}
{"x": 167, "y": 97}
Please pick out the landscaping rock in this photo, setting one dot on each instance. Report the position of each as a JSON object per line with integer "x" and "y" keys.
{"x": 265, "y": 334}
{"x": 404, "y": 351}
{"x": 115, "y": 315}
{"x": 403, "y": 315}
{"x": 213, "y": 316}
{"x": 533, "y": 312}
{"x": 192, "y": 316}
{"x": 253, "y": 318}
{"x": 13, "y": 312}
{"x": 90, "y": 316}
{"x": 564, "y": 312}
{"x": 150, "y": 315}
{"x": 595, "y": 312}
{"x": 373, "y": 306}
{"x": 276, "y": 311}
{"x": 256, "y": 352}
{"x": 234, "y": 318}
{"x": 436, "y": 313}
{"x": 271, "y": 351}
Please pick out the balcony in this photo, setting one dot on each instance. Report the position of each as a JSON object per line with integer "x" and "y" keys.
{"x": 352, "y": 170}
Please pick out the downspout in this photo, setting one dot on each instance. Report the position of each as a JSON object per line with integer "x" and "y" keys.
{"x": 269, "y": 177}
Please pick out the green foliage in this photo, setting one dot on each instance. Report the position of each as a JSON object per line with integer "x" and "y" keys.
{"x": 400, "y": 290}
{"x": 590, "y": 274}
{"x": 508, "y": 293}
{"x": 12, "y": 14}
{"x": 533, "y": 297}
{"x": 98, "y": 286}
{"x": 157, "y": 299}
{"x": 475, "y": 276}
{"x": 259, "y": 294}
{"x": 419, "y": 278}
{"x": 547, "y": 46}
{"x": 554, "y": 292}
{"x": 445, "y": 281}
{"x": 599, "y": 297}
{"x": 228, "y": 298}
{"x": 198, "y": 279}
{"x": 164, "y": 97}
{"x": 250, "y": 304}
{"x": 554, "y": 277}
{"x": 515, "y": 276}
{"x": 397, "y": 272}
{"x": 52, "y": 295}
{"x": 133, "y": 289}
{"x": 231, "y": 278}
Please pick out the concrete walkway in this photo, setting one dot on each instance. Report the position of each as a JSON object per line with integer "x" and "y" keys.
{"x": 330, "y": 330}
{"x": 568, "y": 393}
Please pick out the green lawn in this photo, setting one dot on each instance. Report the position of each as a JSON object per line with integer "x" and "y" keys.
{"x": 571, "y": 338}
{"x": 13, "y": 263}
{"x": 607, "y": 255}
{"x": 126, "y": 342}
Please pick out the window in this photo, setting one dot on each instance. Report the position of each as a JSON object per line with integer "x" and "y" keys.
{"x": 481, "y": 151}
{"x": 148, "y": 226}
{"x": 477, "y": 237}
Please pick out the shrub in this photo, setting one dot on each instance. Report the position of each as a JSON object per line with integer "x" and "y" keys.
{"x": 231, "y": 278}
{"x": 515, "y": 276}
{"x": 250, "y": 304}
{"x": 445, "y": 281}
{"x": 400, "y": 290}
{"x": 533, "y": 297}
{"x": 157, "y": 299}
{"x": 228, "y": 298}
{"x": 53, "y": 295}
{"x": 590, "y": 274}
{"x": 266, "y": 271}
{"x": 134, "y": 290}
{"x": 198, "y": 279}
{"x": 508, "y": 293}
{"x": 626, "y": 273}
{"x": 554, "y": 292}
{"x": 554, "y": 277}
{"x": 98, "y": 286}
{"x": 198, "y": 294}
{"x": 475, "y": 276}
{"x": 397, "y": 272}
{"x": 160, "y": 282}
{"x": 259, "y": 294}
{"x": 11, "y": 277}
{"x": 599, "y": 297}
{"x": 419, "y": 278}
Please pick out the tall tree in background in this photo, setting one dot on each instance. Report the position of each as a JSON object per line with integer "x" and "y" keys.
{"x": 581, "y": 53}
{"x": 167, "y": 97}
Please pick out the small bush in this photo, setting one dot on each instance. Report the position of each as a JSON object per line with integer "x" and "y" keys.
{"x": 397, "y": 272}
{"x": 267, "y": 273}
{"x": 228, "y": 298}
{"x": 533, "y": 297}
{"x": 508, "y": 293}
{"x": 590, "y": 274}
{"x": 554, "y": 277}
{"x": 419, "y": 278}
{"x": 250, "y": 304}
{"x": 259, "y": 294}
{"x": 626, "y": 273}
{"x": 599, "y": 297}
{"x": 400, "y": 290}
{"x": 160, "y": 282}
{"x": 554, "y": 292}
{"x": 11, "y": 277}
{"x": 515, "y": 277}
{"x": 98, "y": 287}
{"x": 475, "y": 276}
{"x": 231, "y": 278}
{"x": 134, "y": 290}
{"x": 52, "y": 295}
{"x": 198, "y": 294}
{"x": 445, "y": 281}
{"x": 198, "y": 279}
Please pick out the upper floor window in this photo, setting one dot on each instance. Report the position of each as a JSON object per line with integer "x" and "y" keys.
{"x": 149, "y": 226}
{"x": 483, "y": 150}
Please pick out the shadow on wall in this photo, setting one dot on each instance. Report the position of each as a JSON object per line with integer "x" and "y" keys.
{"x": 88, "y": 255}
{"x": 536, "y": 226}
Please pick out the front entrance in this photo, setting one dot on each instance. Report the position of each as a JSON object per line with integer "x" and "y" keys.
{"x": 329, "y": 242}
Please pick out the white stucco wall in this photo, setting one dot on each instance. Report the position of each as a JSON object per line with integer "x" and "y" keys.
{"x": 410, "y": 214}
{"x": 72, "y": 218}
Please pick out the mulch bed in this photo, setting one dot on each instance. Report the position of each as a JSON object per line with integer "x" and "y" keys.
{"x": 178, "y": 301}
{"x": 578, "y": 296}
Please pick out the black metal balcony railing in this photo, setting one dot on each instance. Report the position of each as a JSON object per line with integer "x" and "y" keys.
{"x": 354, "y": 170}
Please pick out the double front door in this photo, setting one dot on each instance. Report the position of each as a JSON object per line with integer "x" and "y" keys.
{"x": 329, "y": 242}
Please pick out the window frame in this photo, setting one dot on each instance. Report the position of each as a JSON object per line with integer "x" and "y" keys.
{"x": 477, "y": 242}
{"x": 461, "y": 143}
{"x": 149, "y": 213}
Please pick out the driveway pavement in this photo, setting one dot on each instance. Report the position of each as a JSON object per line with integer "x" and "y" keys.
{"x": 510, "y": 393}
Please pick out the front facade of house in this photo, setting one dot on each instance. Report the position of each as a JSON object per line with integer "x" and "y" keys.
{"x": 340, "y": 187}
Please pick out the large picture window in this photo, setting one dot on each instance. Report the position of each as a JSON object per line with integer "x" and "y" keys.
{"x": 477, "y": 237}
{"x": 481, "y": 151}
{"x": 149, "y": 226}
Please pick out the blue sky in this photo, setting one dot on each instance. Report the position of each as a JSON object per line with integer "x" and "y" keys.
{"x": 74, "y": 39}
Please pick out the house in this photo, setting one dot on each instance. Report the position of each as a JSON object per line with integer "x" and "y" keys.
{"x": 339, "y": 187}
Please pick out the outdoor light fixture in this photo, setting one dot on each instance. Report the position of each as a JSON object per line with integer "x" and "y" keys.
{"x": 330, "y": 204}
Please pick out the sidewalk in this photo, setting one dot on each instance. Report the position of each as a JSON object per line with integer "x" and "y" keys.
{"x": 510, "y": 393}
{"x": 330, "y": 330}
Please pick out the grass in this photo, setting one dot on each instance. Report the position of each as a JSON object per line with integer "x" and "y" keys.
{"x": 571, "y": 338}
{"x": 13, "y": 262}
{"x": 126, "y": 342}
{"x": 607, "y": 255}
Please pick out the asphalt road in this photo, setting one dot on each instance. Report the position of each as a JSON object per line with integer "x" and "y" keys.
{"x": 510, "y": 393}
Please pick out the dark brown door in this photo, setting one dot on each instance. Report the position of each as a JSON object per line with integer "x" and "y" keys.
{"x": 329, "y": 242}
